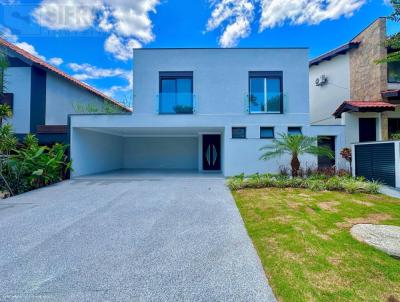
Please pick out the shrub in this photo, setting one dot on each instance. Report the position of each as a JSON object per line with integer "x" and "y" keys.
{"x": 317, "y": 182}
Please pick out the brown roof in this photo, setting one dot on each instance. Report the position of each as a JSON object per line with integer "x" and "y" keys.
{"x": 44, "y": 65}
{"x": 363, "y": 106}
{"x": 335, "y": 52}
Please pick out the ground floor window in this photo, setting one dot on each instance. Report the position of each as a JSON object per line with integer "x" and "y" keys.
{"x": 328, "y": 142}
{"x": 367, "y": 129}
{"x": 267, "y": 132}
{"x": 294, "y": 131}
{"x": 393, "y": 126}
{"x": 238, "y": 132}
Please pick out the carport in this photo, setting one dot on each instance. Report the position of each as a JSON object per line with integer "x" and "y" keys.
{"x": 100, "y": 149}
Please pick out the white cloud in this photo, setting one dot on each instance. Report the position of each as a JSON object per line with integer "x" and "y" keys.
{"x": 235, "y": 17}
{"x": 86, "y": 71}
{"x": 30, "y": 48}
{"x": 56, "y": 61}
{"x": 120, "y": 47}
{"x": 238, "y": 14}
{"x": 277, "y": 12}
{"x": 127, "y": 21}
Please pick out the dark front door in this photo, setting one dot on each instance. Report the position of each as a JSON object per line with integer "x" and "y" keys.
{"x": 327, "y": 142}
{"x": 211, "y": 152}
{"x": 367, "y": 129}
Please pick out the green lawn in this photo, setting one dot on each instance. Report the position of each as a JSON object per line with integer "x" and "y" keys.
{"x": 308, "y": 254}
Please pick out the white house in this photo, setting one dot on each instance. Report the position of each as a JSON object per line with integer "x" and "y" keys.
{"x": 203, "y": 110}
{"x": 348, "y": 87}
{"x": 42, "y": 96}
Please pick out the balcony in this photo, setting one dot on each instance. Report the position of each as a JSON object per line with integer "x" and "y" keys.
{"x": 176, "y": 103}
{"x": 262, "y": 103}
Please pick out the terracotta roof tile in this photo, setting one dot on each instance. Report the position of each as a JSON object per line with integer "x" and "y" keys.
{"x": 363, "y": 106}
{"x": 59, "y": 72}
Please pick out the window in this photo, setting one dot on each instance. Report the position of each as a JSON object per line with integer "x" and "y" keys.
{"x": 267, "y": 132}
{"x": 393, "y": 126}
{"x": 265, "y": 92}
{"x": 394, "y": 72}
{"x": 294, "y": 131}
{"x": 176, "y": 93}
{"x": 238, "y": 132}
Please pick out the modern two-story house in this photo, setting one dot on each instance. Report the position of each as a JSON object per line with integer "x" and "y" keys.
{"x": 202, "y": 110}
{"x": 42, "y": 96}
{"x": 348, "y": 87}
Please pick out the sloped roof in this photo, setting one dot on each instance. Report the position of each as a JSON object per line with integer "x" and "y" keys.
{"x": 363, "y": 106}
{"x": 333, "y": 53}
{"x": 48, "y": 67}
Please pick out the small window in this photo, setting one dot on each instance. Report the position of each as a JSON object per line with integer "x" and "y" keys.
{"x": 294, "y": 131}
{"x": 267, "y": 132}
{"x": 238, "y": 132}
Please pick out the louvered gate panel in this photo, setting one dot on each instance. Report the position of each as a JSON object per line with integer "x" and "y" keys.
{"x": 376, "y": 162}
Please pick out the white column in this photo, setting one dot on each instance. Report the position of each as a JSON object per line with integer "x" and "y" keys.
{"x": 397, "y": 162}
{"x": 353, "y": 160}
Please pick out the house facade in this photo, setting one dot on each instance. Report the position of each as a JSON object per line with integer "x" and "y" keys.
{"x": 205, "y": 110}
{"x": 348, "y": 87}
{"x": 41, "y": 96}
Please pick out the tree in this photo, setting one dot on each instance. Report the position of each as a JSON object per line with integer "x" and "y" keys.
{"x": 294, "y": 145}
{"x": 393, "y": 41}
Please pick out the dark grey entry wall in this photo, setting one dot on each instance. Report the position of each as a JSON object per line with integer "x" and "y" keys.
{"x": 376, "y": 162}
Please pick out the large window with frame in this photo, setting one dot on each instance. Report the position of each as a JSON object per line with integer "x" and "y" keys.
{"x": 176, "y": 93}
{"x": 265, "y": 92}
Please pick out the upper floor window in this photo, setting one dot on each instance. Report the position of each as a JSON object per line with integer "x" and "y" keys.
{"x": 265, "y": 92}
{"x": 294, "y": 131}
{"x": 176, "y": 93}
{"x": 394, "y": 72}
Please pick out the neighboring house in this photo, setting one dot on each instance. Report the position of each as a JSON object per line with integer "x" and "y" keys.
{"x": 204, "y": 110}
{"x": 348, "y": 87}
{"x": 42, "y": 96}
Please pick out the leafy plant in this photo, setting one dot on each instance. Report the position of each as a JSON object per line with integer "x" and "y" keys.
{"x": 294, "y": 145}
{"x": 89, "y": 108}
{"x": 395, "y": 136}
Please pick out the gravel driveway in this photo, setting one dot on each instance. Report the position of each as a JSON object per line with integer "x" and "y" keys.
{"x": 128, "y": 237}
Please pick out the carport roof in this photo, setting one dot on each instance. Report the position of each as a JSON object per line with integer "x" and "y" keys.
{"x": 363, "y": 106}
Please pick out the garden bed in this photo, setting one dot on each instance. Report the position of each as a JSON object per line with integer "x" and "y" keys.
{"x": 316, "y": 183}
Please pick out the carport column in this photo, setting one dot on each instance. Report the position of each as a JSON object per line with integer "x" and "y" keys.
{"x": 384, "y": 126}
{"x": 397, "y": 162}
{"x": 353, "y": 160}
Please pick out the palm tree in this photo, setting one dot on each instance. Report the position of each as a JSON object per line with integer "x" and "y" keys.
{"x": 294, "y": 145}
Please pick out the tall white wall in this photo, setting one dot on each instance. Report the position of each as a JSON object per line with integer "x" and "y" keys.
{"x": 18, "y": 82}
{"x": 93, "y": 152}
{"x": 324, "y": 100}
{"x": 221, "y": 77}
{"x": 161, "y": 153}
{"x": 61, "y": 95}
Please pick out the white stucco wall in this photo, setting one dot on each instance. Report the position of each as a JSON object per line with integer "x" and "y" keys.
{"x": 93, "y": 152}
{"x": 324, "y": 100}
{"x": 161, "y": 153}
{"x": 18, "y": 82}
{"x": 61, "y": 95}
{"x": 220, "y": 77}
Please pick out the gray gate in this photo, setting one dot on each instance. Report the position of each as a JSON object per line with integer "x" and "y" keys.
{"x": 376, "y": 162}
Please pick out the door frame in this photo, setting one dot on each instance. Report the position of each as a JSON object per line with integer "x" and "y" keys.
{"x": 201, "y": 134}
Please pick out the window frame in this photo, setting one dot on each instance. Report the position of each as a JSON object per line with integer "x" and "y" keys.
{"x": 174, "y": 75}
{"x": 294, "y": 127}
{"x": 266, "y": 75}
{"x": 269, "y": 127}
{"x": 239, "y": 127}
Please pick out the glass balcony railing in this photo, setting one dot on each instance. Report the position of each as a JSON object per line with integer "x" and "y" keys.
{"x": 176, "y": 103}
{"x": 261, "y": 103}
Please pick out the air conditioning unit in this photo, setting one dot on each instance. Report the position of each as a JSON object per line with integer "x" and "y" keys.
{"x": 321, "y": 80}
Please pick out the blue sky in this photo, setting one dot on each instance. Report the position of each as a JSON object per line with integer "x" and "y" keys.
{"x": 93, "y": 42}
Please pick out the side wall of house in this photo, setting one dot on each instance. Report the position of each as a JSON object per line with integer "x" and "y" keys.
{"x": 325, "y": 99}
{"x": 18, "y": 82}
{"x": 94, "y": 152}
{"x": 368, "y": 79}
{"x": 62, "y": 97}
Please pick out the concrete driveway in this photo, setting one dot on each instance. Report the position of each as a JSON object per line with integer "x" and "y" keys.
{"x": 128, "y": 237}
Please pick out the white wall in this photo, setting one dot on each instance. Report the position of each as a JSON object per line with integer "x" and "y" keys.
{"x": 324, "y": 100}
{"x": 220, "y": 77}
{"x": 161, "y": 153}
{"x": 18, "y": 82}
{"x": 61, "y": 95}
{"x": 93, "y": 152}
